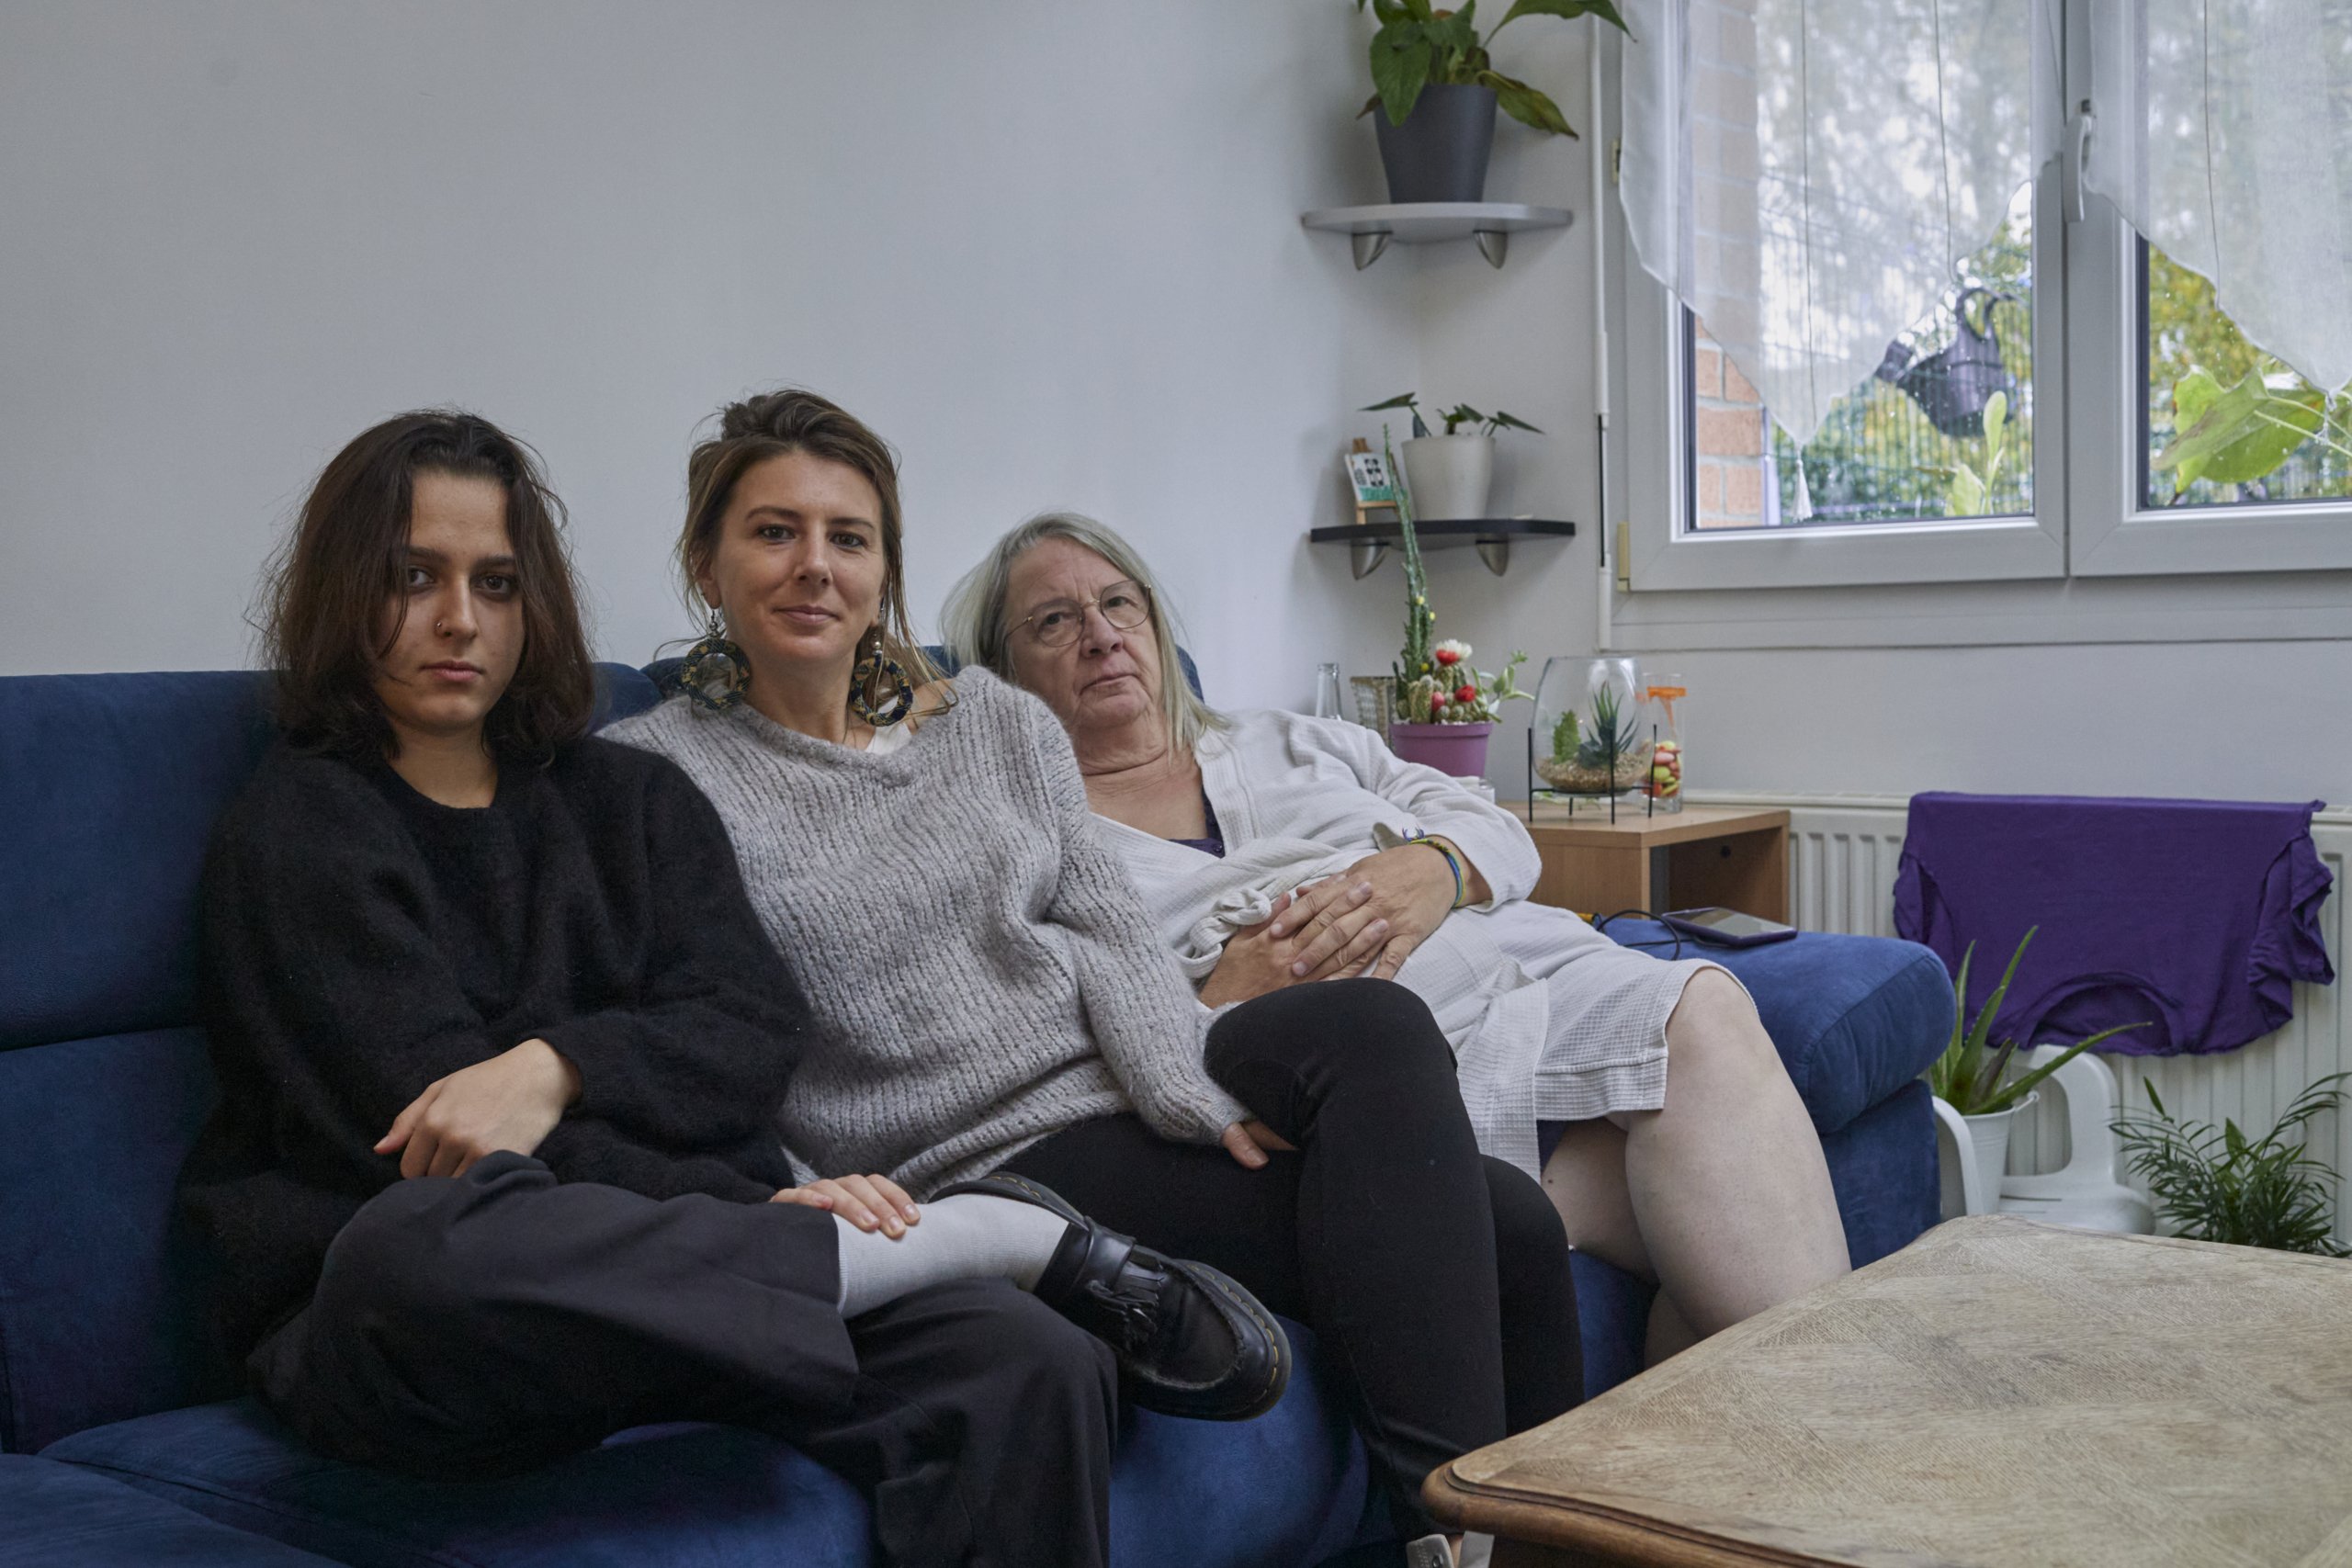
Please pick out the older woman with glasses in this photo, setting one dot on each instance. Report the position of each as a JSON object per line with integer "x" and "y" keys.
{"x": 1679, "y": 1149}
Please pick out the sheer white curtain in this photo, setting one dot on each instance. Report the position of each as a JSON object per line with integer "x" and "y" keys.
{"x": 2223, "y": 131}
{"x": 1804, "y": 173}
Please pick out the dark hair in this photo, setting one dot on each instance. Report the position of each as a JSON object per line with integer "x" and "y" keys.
{"x": 775, "y": 425}
{"x": 332, "y": 581}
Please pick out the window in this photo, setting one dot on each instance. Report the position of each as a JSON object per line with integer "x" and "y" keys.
{"x": 1943, "y": 428}
{"x": 2136, "y": 431}
{"x": 2271, "y": 438}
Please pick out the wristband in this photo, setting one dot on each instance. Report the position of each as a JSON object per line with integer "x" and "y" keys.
{"x": 1452, "y": 864}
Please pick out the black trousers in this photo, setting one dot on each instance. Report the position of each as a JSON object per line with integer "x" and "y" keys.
{"x": 1437, "y": 1278}
{"x": 485, "y": 1325}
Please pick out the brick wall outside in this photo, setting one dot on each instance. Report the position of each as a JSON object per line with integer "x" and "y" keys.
{"x": 1733, "y": 440}
{"x": 1729, "y": 430}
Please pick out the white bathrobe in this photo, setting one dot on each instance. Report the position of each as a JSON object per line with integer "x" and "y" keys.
{"x": 1549, "y": 1020}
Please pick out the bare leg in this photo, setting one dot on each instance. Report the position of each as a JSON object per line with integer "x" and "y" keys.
{"x": 1668, "y": 1334}
{"x": 1728, "y": 1180}
{"x": 1722, "y": 1197}
{"x": 1585, "y": 1179}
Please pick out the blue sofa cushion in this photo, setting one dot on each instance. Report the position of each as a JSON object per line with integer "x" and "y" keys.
{"x": 112, "y": 785}
{"x": 98, "y": 1314}
{"x": 1855, "y": 1017}
{"x": 1286, "y": 1489}
{"x": 52, "y": 1516}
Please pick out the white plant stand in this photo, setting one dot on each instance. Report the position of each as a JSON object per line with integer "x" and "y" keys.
{"x": 2085, "y": 1194}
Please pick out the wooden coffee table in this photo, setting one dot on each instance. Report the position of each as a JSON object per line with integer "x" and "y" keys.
{"x": 1999, "y": 1392}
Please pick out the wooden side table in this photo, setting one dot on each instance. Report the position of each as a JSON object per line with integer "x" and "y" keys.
{"x": 1700, "y": 855}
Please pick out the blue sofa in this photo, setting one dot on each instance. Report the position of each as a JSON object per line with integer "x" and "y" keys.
{"x": 148, "y": 1454}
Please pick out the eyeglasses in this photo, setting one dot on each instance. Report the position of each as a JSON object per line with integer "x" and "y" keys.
{"x": 1125, "y": 606}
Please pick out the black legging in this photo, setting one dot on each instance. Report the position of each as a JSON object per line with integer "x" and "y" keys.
{"x": 1437, "y": 1278}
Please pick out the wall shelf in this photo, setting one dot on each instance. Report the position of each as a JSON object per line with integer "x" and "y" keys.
{"x": 1368, "y": 542}
{"x": 1491, "y": 223}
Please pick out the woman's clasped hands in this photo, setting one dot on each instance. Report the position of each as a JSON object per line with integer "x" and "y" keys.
{"x": 1365, "y": 920}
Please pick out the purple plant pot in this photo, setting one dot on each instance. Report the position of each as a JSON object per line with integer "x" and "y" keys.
{"x": 1457, "y": 750}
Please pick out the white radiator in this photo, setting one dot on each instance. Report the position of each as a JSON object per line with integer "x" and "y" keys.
{"x": 1842, "y": 854}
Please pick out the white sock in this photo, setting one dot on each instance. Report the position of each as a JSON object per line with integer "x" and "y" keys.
{"x": 970, "y": 1236}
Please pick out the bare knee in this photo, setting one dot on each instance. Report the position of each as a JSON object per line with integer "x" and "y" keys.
{"x": 1715, "y": 1035}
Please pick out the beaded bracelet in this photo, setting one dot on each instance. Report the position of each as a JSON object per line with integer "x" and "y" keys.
{"x": 1452, "y": 864}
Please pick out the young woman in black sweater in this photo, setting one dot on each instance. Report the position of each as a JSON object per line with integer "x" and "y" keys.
{"x": 500, "y": 1044}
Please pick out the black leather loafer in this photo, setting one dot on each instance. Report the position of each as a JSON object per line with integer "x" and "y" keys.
{"x": 1191, "y": 1342}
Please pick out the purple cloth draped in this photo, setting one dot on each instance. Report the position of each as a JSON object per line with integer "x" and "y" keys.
{"x": 2198, "y": 916}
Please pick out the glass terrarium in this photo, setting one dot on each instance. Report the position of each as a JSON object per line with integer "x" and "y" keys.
{"x": 1589, "y": 737}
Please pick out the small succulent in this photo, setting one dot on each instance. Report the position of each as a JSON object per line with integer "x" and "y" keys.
{"x": 1563, "y": 739}
{"x": 1611, "y": 734}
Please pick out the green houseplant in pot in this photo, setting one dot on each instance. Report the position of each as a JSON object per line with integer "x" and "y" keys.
{"x": 1973, "y": 1075}
{"x": 1445, "y": 710}
{"x": 1436, "y": 90}
{"x": 2220, "y": 1185}
{"x": 1451, "y": 475}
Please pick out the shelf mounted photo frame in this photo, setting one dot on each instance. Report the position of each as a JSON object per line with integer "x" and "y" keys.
{"x": 1373, "y": 487}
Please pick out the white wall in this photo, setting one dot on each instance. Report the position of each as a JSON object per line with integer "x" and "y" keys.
{"x": 1050, "y": 249}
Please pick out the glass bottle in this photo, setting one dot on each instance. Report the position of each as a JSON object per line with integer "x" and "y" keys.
{"x": 1327, "y": 691}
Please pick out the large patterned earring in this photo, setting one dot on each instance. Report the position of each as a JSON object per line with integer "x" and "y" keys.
{"x": 716, "y": 674}
{"x": 874, "y": 669}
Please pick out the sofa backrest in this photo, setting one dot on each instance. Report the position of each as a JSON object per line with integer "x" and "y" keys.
{"x": 108, "y": 788}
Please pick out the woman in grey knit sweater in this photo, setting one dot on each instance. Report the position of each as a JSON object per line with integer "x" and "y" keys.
{"x": 989, "y": 996}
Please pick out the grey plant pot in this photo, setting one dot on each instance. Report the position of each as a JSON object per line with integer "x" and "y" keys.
{"x": 1440, "y": 152}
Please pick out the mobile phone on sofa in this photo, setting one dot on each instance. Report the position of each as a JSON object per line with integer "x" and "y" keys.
{"x": 1727, "y": 927}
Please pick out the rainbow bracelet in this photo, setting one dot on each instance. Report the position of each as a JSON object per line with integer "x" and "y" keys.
{"x": 1452, "y": 864}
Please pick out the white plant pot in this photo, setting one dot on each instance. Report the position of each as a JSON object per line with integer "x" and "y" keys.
{"x": 1979, "y": 1153}
{"x": 1449, "y": 475}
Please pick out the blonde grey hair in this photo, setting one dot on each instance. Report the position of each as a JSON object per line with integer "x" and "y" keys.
{"x": 975, "y": 623}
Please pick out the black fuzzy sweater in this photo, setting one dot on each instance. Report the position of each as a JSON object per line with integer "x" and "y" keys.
{"x": 360, "y": 941}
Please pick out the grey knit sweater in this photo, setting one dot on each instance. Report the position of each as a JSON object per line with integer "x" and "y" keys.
{"x": 979, "y": 969}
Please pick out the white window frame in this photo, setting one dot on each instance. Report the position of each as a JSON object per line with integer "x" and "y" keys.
{"x": 1661, "y": 554}
{"x": 2090, "y": 520}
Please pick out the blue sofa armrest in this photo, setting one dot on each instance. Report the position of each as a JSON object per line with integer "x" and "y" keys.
{"x": 1855, "y": 1017}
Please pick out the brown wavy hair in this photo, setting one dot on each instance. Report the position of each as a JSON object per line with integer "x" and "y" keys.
{"x": 329, "y": 586}
{"x": 775, "y": 425}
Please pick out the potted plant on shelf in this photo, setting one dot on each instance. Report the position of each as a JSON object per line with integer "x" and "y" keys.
{"x": 1451, "y": 475}
{"x": 1445, "y": 709}
{"x": 1437, "y": 90}
{"x": 1970, "y": 1075}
